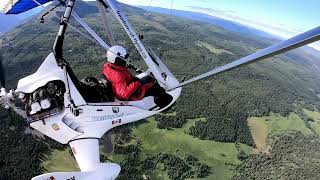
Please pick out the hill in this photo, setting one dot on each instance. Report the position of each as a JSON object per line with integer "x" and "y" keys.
{"x": 212, "y": 114}
{"x": 202, "y": 17}
{"x": 8, "y": 22}
{"x": 226, "y": 24}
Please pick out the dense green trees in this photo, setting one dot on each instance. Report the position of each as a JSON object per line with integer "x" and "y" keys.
{"x": 176, "y": 167}
{"x": 20, "y": 154}
{"x": 227, "y": 100}
{"x": 292, "y": 156}
{"x": 135, "y": 167}
{"x": 169, "y": 121}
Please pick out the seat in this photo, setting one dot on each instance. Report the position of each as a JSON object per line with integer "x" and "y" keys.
{"x": 147, "y": 103}
{"x": 95, "y": 91}
{"x": 107, "y": 88}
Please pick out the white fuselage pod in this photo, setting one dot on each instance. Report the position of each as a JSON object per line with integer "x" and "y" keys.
{"x": 57, "y": 108}
{"x": 94, "y": 119}
{"x": 83, "y": 129}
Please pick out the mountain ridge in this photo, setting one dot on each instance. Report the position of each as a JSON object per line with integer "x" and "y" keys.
{"x": 9, "y": 22}
{"x": 227, "y": 24}
{"x": 224, "y": 23}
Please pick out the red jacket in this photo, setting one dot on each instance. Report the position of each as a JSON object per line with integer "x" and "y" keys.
{"x": 123, "y": 85}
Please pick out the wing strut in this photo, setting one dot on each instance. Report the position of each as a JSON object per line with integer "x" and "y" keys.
{"x": 284, "y": 46}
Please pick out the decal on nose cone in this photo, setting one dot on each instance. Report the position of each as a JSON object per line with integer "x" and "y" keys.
{"x": 55, "y": 127}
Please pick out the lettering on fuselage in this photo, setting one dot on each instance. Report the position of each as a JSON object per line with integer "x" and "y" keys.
{"x": 132, "y": 35}
{"x": 107, "y": 117}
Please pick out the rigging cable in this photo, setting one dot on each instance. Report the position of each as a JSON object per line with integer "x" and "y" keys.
{"x": 77, "y": 30}
{"x": 171, "y": 12}
{"x": 102, "y": 6}
{"x": 98, "y": 40}
{"x": 90, "y": 31}
{"x": 149, "y": 6}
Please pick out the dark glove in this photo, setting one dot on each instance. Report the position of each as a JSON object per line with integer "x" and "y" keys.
{"x": 135, "y": 79}
{"x": 146, "y": 80}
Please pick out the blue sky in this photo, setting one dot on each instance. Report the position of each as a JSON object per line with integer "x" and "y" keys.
{"x": 284, "y": 18}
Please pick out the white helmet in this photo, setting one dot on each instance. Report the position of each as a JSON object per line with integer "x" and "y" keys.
{"x": 116, "y": 52}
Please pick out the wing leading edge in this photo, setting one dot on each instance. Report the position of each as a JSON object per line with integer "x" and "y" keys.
{"x": 19, "y": 6}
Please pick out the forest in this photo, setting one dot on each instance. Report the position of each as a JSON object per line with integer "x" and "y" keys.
{"x": 293, "y": 156}
{"x": 137, "y": 166}
{"x": 279, "y": 85}
{"x": 21, "y": 154}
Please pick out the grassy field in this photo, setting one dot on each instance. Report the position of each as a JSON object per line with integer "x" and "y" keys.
{"x": 212, "y": 48}
{"x": 315, "y": 116}
{"x": 221, "y": 157}
{"x": 262, "y": 127}
{"x": 259, "y": 131}
{"x": 214, "y": 154}
{"x": 60, "y": 161}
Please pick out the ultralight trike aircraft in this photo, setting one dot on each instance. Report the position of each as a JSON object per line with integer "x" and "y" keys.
{"x": 56, "y": 105}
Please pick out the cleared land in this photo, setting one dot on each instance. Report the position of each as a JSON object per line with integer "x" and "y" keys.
{"x": 315, "y": 117}
{"x": 212, "y": 48}
{"x": 259, "y": 131}
{"x": 60, "y": 161}
{"x": 262, "y": 127}
{"x": 177, "y": 142}
{"x": 221, "y": 157}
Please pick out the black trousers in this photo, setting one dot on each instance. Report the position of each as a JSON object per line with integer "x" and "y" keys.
{"x": 161, "y": 98}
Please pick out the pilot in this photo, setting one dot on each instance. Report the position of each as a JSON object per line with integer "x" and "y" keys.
{"x": 124, "y": 85}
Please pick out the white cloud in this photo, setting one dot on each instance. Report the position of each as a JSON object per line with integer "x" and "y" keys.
{"x": 279, "y": 30}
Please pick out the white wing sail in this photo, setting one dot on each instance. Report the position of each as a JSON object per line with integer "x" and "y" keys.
{"x": 20, "y": 6}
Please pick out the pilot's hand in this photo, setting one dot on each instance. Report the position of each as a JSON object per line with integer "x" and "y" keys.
{"x": 135, "y": 79}
{"x": 146, "y": 80}
{"x": 139, "y": 70}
